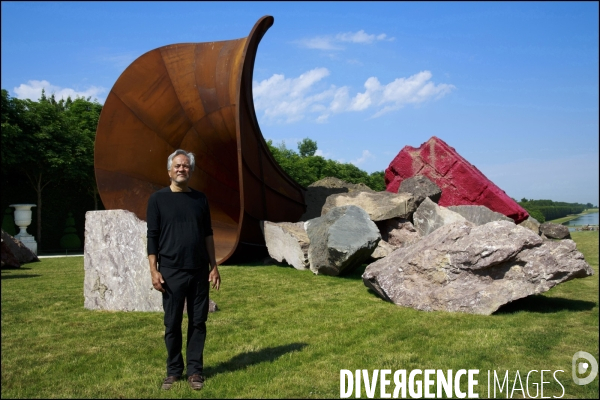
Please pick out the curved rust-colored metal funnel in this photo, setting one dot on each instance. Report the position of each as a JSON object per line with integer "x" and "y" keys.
{"x": 197, "y": 97}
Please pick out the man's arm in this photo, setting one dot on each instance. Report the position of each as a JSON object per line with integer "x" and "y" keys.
{"x": 213, "y": 276}
{"x": 157, "y": 279}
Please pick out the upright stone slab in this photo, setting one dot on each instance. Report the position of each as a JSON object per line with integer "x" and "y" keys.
{"x": 287, "y": 241}
{"x": 461, "y": 182}
{"x": 379, "y": 205}
{"x": 117, "y": 273}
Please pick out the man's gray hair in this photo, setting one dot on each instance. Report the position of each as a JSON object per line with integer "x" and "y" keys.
{"x": 189, "y": 155}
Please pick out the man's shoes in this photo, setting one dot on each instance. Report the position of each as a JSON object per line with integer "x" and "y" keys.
{"x": 196, "y": 381}
{"x": 169, "y": 381}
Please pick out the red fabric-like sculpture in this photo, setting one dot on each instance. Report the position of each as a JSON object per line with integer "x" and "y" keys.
{"x": 461, "y": 182}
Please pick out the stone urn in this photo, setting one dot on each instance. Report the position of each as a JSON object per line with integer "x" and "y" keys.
{"x": 23, "y": 220}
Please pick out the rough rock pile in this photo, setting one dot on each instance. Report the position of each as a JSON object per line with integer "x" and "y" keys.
{"x": 344, "y": 235}
{"x": 464, "y": 258}
{"x": 474, "y": 269}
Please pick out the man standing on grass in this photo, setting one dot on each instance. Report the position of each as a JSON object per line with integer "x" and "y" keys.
{"x": 180, "y": 250}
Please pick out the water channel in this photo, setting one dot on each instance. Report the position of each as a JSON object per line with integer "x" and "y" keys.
{"x": 583, "y": 220}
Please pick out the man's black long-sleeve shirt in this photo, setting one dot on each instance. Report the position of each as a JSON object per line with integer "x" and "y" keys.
{"x": 178, "y": 223}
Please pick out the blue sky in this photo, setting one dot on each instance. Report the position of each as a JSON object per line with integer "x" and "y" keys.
{"x": 512, "y": 86}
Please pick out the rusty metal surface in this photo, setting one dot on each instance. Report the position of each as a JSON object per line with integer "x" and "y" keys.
{"x": 197, "y": 97}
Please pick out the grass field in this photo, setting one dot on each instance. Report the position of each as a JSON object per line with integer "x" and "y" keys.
{"x": 284, "y": 333}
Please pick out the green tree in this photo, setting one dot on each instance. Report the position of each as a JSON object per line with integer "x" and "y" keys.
{"x": 306, "y": 168}
{"x": 48, "y": 141}
{"x": 82, "y": 117}
{"x": 307, "y": 147}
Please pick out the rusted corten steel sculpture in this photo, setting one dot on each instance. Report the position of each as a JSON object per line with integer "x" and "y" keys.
{"x": 197, "y": 97}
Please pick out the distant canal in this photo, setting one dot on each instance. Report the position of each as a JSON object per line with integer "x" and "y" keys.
{"x": 587, "y": 219}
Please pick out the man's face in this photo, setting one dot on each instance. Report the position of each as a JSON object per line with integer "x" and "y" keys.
{"x": 180, "y": 169}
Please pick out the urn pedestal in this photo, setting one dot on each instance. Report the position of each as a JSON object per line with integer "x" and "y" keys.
{"x": 23, "y": 220}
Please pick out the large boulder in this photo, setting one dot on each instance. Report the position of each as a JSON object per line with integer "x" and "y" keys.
{"x": 287, "y": 241}
{"x": 479, "y": 215}
{"x": 398, "y": 232}
{"x": 555, "y": 231}
{"x": 532, "y": 224}
{"x": 429, "y": 217}
{"x": 18, "y": 250}
{"x": 8, "y": 258}
{"x": 341, "y": 240}
{"x": 317, "y": 192}
{"x": 115, "y": 262}
{"x": 474, "y": 269}
{"x": 461, "y": 182}
{"x": 421, "y": 187}
{"x": 379, "y": 205}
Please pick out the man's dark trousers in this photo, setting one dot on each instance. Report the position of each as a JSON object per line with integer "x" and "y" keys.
{"x": 181, "y": 284}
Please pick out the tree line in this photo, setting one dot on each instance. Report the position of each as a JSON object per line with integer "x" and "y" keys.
{"x": 546, "y": 210}
{"x": 48, "y": 147}
{"x": 305, "y": 167}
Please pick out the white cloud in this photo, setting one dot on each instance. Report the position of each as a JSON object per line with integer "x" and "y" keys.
{"x": 33, "y": 90}
{"x": 366, "y": 154}
{"x": 331, "y": 42}
{"x": 289, "y": 100}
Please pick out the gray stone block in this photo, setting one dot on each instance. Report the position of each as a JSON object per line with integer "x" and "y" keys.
{"x": 317, "y": 192}
{"x": 555, "y": 231}
{"x": 341, "y": 240}
{"x": 479, "y": 215}
{"x": 379, "y": 205}
{"x": 429, "y": 217}
{"x": 421, "y": 187}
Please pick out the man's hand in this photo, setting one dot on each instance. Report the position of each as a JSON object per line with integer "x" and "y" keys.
{"x": 157, "y": 281}
{"x": 215, "y": 278}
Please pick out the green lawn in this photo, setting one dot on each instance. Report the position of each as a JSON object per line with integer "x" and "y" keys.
{"x": 282, "y": 333}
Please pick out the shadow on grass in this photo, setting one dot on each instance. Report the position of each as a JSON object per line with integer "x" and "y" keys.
{"x": 7, "y": 273}
{"x": 543, "y": 304}
{"x": 244, "y": 360}
{"x": 356, "y": 273}
{"x": 6, "y": 277}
